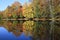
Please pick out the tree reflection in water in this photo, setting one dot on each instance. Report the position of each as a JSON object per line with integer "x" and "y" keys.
{"x": 38, "y": 30}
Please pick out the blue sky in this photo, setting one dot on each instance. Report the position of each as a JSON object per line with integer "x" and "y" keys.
{"x": 5, "y": 3}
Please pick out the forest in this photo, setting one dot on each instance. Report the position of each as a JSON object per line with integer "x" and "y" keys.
{"x": 35, "y": 9}
{"x": 43, "y": 18}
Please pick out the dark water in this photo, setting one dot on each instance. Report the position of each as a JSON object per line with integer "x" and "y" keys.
{"x": 30, "y": 30}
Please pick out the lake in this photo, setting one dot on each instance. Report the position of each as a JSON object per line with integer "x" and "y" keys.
{"x": 29, "y": 30}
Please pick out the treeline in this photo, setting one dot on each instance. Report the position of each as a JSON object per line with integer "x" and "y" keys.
{"x": 12, "y": 12}
{"x": 34, "y": 9}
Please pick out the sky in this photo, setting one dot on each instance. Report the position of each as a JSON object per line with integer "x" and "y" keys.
{"x": 5, "y": 3}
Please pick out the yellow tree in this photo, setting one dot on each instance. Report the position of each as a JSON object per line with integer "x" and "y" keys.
{"x": 27, "y": 10}
{"x": 5, "y": 13}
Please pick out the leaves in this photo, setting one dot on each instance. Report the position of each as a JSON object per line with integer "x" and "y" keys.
{"x": 27, "y": 11}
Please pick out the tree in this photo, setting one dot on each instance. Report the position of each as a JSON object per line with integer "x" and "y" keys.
{"x": 27, "y": 11}
{"x": 1, "y": 15}
{"x": 20, "y": 12}
{"x": 56, "y": 4}
{"x": 39, "y": 8}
